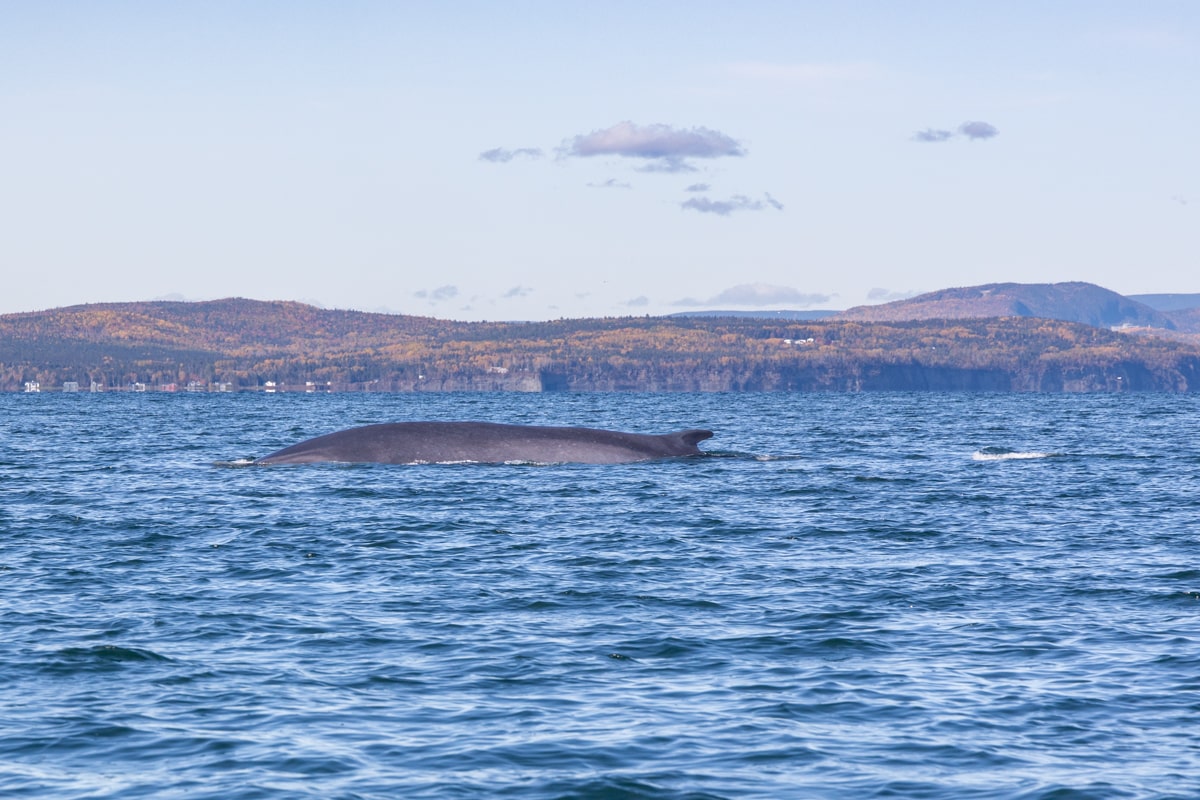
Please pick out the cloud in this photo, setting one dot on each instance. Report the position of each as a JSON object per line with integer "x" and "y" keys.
{"x": 611, "y": 183}
{"x": 638, "y": 302}
{"x": 697, "y": 187}
{"x": 974, "y": 130}
{"x": 932, "y": 135}
{"x": 499, "y": 155}
{"x": 665, "y": 148}
{"x": 518, "y": 291}
{"x": 667, "y": 165}
{"x": 723, "y": 208}
{"x": 887, "y": 295}
{"x": 978, "y": 130}
{"x": 437, "y": 295}
{"x": 759, "y": 294}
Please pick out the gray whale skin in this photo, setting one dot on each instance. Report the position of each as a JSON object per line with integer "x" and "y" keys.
{"x": 486, "y": 442}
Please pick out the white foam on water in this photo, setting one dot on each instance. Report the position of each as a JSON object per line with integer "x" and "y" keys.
{"x": 998, "y": 454}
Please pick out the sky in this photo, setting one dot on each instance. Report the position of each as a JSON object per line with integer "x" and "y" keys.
{"x": 540, "y": 160}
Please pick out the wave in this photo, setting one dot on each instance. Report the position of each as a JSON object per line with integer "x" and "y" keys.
{"x": 1005, "y": 454}
{"x": 237, "y": 462}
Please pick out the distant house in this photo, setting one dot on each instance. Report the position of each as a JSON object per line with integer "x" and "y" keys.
{"x": 269, "y": 387}
{"x": 96, "y": 387}
{"x": 32, "y": 386}
{"x": 70, "y": 386}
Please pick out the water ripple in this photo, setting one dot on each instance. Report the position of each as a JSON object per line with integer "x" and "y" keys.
{"x": 861, "y": 608}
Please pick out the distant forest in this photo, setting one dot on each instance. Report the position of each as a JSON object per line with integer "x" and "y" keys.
{"x": 241, "y": 344}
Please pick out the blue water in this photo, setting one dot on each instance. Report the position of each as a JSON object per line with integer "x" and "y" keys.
{"x": 898, "y": 595}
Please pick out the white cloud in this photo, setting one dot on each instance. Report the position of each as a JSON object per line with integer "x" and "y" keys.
{"x": 611, "y": 183}
{"x": 974, "y": 130}
{"x": 723, "y": 208}
{"x": 663, "y": 147}
{"x": 932, "y": 135}
{"x": 437, "y": 295}
{"x": 500, "y": 155}
{"x": 978, "y": 130}
{"x": 888, "y": 295}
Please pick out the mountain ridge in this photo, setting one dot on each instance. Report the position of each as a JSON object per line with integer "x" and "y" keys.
{"x": 1073, "y": 301}
{"x": 244, "y": 344}
{"x": 1176, "y": 310}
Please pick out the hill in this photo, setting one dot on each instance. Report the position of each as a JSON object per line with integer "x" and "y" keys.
{"x": 1034, "y": 296}
{"x": 1085, "y": 303}
{"x": 239, "y": 343}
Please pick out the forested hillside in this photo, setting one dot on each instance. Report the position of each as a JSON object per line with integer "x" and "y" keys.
{"x": 1069, "y": 302}
{"x": 244, "y": 344}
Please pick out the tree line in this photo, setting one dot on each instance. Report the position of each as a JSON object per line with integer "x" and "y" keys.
{"x": 245, "y": 344}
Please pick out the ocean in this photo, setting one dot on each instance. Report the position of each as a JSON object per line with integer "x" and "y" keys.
{"x": 853, "y": 596}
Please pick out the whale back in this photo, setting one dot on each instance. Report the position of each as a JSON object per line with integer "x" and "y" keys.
{"x": 489, "y": 442}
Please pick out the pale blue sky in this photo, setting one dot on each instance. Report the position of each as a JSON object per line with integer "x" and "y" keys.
{"x": 545, "y": 159}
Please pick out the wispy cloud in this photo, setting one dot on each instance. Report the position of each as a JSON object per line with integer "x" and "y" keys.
{"x": 638, "y": 302}
{"x": 932, "y": 135}
{"x": 437, "y": 295}
{"x": 739, "y": 202}
{"x": 664, "y": 148}
{"x": 670, "y": 164}
{"x": 759, "y": 294}
{"x": 500, "y": 155}
{"x": 974, "y": 130}
{"x": 517, "y": 291}
{"x": 887, "y": 295}
{"x": 611, "y": 183}
{"x": 658, "y": 148}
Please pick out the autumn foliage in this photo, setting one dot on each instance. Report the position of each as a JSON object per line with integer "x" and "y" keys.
{"x": 246, "y": 343}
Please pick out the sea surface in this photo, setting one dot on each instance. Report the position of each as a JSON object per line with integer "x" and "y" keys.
{"x": 854, "y": 596}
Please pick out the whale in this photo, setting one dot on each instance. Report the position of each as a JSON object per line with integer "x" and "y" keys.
{"x": 486, "y": 442}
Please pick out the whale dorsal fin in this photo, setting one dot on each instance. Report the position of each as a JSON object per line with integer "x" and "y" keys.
{"x": 693, "y": 436}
